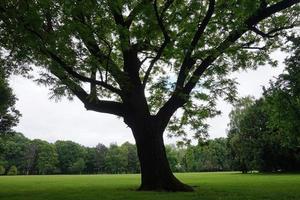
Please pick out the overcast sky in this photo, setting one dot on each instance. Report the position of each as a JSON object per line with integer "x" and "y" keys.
{"x": 68, "y": 120}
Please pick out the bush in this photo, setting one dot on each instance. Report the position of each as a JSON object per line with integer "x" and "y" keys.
{"x": 12, "y": 171}
{"x": 2, "y": 170}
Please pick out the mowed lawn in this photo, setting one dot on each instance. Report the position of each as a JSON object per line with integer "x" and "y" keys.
{"x": 214, "y": 186}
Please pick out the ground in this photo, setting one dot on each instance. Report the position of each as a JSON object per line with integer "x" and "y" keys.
{"x": 208, "y": 186}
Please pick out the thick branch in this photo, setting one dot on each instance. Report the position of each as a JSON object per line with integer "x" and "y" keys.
{"x": 188, "y": 62}
{"x": 69, "y": 69}
{"x": 180, "y": 95}
{"x": 81, "y": 77}
{"x": 162, "y": 47}
{"x": 94, "y": 104}
{"x": 91, "y": 44}
{"x": 130, "y": 57}
{"x": 254, "y": 19}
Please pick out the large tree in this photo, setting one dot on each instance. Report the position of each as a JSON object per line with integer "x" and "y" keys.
{"x": 144, "y": 60}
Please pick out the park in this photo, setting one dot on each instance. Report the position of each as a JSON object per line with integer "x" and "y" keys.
{"x": 161, "y": 68}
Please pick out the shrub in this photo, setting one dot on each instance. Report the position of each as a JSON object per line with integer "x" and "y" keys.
{"x": 12, "y": 171}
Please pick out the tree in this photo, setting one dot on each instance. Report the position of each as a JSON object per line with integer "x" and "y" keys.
{"x": 248, "y": 122}
{"x": 100, "y": 155}
{"x": 115, "y": 159}
{"x": 214, "y": 155}
{"x": 9, "y": 115}
{"x": 68, "y": 153}
{"x": 90, "y": 160}
{"x": 264, "y": 134}
{"x": 129, "y": 150}
{"x": 2, "y": 170}
{"x": 47, "y": 158}
{"x": 282, "y": 104}
{"x": 78, "y": 166}
{"x": 172, "y": 157}
{"x": 30, "y": 158}
{"x": 144, "y": 60}
{"x": 12, "y": 170}
{"x": 12, "y": 151}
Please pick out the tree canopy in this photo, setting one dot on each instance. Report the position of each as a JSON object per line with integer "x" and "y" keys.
{"x": 162, "y": 47}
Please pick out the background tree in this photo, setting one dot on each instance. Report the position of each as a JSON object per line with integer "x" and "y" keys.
{"x": 2, "y": 170}
{"x": 116, "y": 159}
{"x": 132, "y": 157}
{"x": 12, "y": 171}
{"x": 30, "y": 158}
{"x": 68, "y": 153}
{"x": 47, "y": 157}
{"x": 78, "y": 166}
{"x": 100, "y": 154}
{"x": 9, "y": 115}
{"x": 90, "y": 161}
{"x": 172, "y": 157}
{"x": 143, "y": 60}
{"x": 264, "y": 134}
{"x": 12, "y": 152}
{"x": 248, "y": 122}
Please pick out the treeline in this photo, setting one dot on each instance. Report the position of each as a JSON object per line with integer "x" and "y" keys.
{"x": 64, "y": 157}
{"x": 19, "y": 155}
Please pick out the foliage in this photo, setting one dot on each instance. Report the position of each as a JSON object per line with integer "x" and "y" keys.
{"x": 264, "y": 134}
{"x": 115, "y": 159}
{"x": 40, "y": 157}
{"x": 68, "y": 154}
{"x": 165, "y": 55}
{"x": 132, "y": 157}
{"x": 78, "y": 166}
{"x": 213, "y": 155}
{"x": 47, "y": 157}
{"x": 12, "y": 152}
{"x": 2, "y": 170}
{"x": 9, "y": 115}
{"x": 12, "y": 170}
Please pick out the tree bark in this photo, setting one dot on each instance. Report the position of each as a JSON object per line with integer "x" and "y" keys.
{"x": 156, "y": 174}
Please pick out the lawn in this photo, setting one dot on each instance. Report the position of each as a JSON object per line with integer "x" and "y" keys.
{"x": 209, "y": 186}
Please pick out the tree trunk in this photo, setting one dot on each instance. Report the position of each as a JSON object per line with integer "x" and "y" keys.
{"x": 155, "y": 170}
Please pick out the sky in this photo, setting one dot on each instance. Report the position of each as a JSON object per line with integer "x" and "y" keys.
{"x": 68, "y": 120}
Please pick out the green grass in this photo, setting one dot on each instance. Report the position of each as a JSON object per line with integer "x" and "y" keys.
{"x": 214, "y": 186}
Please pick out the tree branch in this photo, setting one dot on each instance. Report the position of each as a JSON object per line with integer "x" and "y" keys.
{"x": 135, "y": 11}
{"x": 272, "y": 33}
{"x": 251, "y": 21}
{"x": 81, "y": 77}
{"x": 180, "y": 96}
{"x": 94, "y": 104}
{"x": 164, "y": 44}
{"x": 69, "y": 69}
{"x": 105, "y": 60}
{"x": 188, "y": 62}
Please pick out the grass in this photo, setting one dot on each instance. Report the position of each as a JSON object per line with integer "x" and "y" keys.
{"x": 209, "y": 186}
